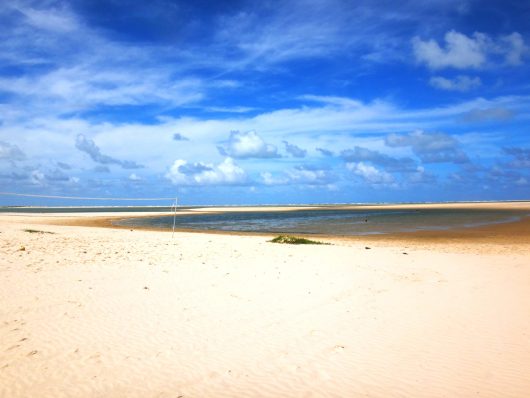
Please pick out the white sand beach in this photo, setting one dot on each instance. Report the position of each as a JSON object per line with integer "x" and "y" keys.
{"x": 102, "y": 312}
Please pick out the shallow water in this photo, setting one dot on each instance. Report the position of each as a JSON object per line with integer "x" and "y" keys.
{"x": 86, "y": 209}
{"x": 332, "y": 221}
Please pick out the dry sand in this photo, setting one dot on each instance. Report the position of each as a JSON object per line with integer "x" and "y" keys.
{"x": 99, "y": 312}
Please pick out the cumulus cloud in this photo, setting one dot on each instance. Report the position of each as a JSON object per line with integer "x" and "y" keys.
{"x": 294, "y": 150}
{"x": 370, "y": 174}
{"x": 10, "y": 152}
{"x": 134, "y": 177}
{"x": 360, "y": 154}
{"x": 460, "y": 51}
{"x": 225, "y": 173}
{"x": 459, "y": 83}
{"x": 88, "y": 146}
{"x": 488, "y": 114}
{"x": 247, "y": 145}
{"x": 430, "y": 147}
{"x": 180, "y": 137}
{"x": 474, "y": 52}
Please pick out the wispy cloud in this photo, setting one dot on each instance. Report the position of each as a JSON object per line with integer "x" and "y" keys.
{"x": 88, "y": 146}
{"x": 459, "y": 83}
{"x": 325, "y": 152}
{"x": 294, "y": 150}
{"x": 488, "y": 114}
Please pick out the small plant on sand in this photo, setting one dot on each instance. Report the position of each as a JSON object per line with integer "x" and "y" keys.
{"x": 36, "y": 231}
{"x": 293, "y": 240}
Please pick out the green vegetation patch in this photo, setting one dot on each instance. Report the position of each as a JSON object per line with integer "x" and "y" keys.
{"x": 36, "y": 231}
{"x": 293, "y": 240}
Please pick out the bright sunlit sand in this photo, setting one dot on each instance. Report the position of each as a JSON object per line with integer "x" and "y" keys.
{"x": 107, "y": 312}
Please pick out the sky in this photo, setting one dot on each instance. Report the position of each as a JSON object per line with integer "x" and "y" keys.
{"x": 264, "y": 102}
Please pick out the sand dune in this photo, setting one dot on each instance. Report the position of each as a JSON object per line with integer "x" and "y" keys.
{"x": 93, "y": 312}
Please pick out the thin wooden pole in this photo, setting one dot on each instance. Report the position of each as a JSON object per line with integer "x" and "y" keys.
{"x": 174, "y": 216}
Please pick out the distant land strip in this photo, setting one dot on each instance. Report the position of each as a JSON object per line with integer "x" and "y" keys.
{"x": 79, "y": 197}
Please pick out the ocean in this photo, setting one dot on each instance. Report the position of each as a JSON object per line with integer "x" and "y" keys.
{"x": 332, "y": 221}
{"x": 325, "y": 221}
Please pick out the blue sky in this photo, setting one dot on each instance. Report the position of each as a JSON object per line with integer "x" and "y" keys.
{"x": 265, "y": 102}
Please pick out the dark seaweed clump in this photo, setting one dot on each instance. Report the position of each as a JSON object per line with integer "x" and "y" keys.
{"x": 293, "y": 240}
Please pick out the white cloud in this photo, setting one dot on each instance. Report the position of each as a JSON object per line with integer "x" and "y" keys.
{"x": 327, "y": 126}
{"x": 268, "y": 179}
{"x": 224, "y": 173}
{"x": 370, "y": 173}
{"x": 420, "y": 176}
{"x": 10, "y": 152}
{"x": 300, "y": 175}
{"x": 309, "y": 176}
{"x": 134, "y": 177}
{"x": 460, "y": 51}
{"x": 514, "y": 47}
{"x": 430, "y": 147}
{"x": 247, "y": 145}
{"x": 459, "y": 83}
{"x": 469, "y": 52}
{"x": 53, "y": 19}
{"x": 83, "y": 87}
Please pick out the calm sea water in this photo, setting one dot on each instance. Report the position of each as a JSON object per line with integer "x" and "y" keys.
{"x": 332, "y": 221}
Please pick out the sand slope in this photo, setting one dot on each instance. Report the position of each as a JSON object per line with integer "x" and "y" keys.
{"x": 92, "y": 312}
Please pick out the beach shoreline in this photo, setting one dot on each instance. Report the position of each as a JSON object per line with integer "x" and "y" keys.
{"x": 512, "y": 233}
{"x": 119, "y": 312}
